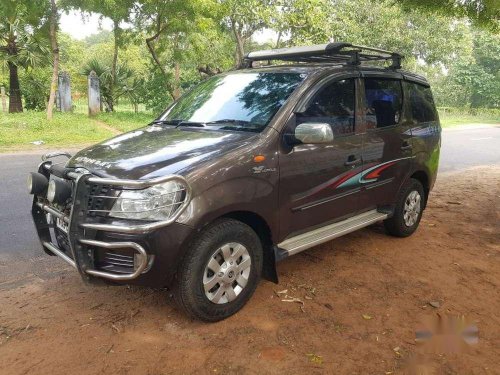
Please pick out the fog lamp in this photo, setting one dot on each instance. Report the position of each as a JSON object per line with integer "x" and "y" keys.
{"x": 58, "y": 191}
{"x": 37, "y": 183}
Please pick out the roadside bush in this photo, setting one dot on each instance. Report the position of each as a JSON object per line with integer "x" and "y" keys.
{"x": 35, "y": 86}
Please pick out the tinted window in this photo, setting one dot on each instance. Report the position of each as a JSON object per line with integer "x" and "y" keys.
{"x": 422, "y": 107}
{"x": 334, "y": 105}
{"x": 384, "y": 102}
{"x": 247, "y": 100}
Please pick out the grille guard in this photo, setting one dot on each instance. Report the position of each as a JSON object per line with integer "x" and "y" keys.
{"x": 82, "y": 234}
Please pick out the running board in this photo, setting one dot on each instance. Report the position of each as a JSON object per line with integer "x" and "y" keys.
{"x": 324, "y": 234}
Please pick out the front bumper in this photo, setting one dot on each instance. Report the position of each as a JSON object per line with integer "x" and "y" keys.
{"x": 100, "y": 247}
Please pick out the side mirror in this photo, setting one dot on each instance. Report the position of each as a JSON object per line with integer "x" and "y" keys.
{"x": 314, "y": 132}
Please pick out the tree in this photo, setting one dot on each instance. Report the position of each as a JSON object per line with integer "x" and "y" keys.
{"x": 21, "y": 44}
{"x": 169, "y": 27}
{"x": 245, "y": 18}
{"x": 474, "y": 81}
{"x": 118, "y": 11}
{"x": 112, "y": 89}
{"x": 422, "y": 39}
{"x": 482, "y": 12}
{"x": 54, "y": 21}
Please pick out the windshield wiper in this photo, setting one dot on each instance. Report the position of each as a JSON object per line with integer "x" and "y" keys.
{"x": 191, "y": 123}
{"x": 167, "y": 122}
{"x": 228, "y": 121}
{"x": 240, "y": 128}
{"x": 178, "y": 122}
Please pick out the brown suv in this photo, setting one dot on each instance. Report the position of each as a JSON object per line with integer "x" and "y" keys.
{"x": 244, "y": 170}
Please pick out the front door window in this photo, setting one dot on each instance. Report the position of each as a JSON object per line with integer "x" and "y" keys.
{"x": 335, "y": 105}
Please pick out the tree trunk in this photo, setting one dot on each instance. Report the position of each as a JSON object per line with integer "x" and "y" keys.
{"x": 177, "y": 82}
{"x": 55, "y": 55}
{"x": 15, "y": 102}
{"x": 116, "y": 34}
{"x": 154, "y": 38}
{"x": 240, "y": 45}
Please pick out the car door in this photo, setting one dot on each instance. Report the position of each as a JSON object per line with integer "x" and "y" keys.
{"x": 387, "y": 141}
{"x": 312, "y": 176}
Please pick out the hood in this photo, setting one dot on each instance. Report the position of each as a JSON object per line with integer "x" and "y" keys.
{"x": 156, "y": 151}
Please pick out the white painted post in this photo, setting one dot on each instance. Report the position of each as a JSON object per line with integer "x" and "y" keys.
{"x": 94, "y": 94}
{"x": 64, "y": 92}
{"x": 4, "y": 100}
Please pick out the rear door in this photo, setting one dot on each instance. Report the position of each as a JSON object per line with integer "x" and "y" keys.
{"x": 312, "y": 176}
{"x": 387, "y": 141}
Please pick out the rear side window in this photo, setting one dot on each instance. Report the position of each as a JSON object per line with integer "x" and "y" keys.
{"x": 422, "y": 106}
{"x": 335, "y": 105}
{"x": 384, "y": 102}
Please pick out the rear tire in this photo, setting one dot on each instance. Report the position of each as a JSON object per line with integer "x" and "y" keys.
{"x": 220, "y": 271}
{"x": 408, "y": 211}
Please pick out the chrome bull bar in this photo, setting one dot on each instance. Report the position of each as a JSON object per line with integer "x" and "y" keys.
{"x": 142, "y": 258}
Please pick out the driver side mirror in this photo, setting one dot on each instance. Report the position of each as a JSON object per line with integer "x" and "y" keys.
{"x": 314, "y": 133}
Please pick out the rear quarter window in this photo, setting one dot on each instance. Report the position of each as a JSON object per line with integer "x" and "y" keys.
{"x": 421, "y": 103}
{"x": 384, "y": 102}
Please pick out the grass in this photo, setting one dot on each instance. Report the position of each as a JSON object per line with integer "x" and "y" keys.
{"x": 451, "y": 117}
{"x": 18, "y": 130}
{"x": 125, "y": 121}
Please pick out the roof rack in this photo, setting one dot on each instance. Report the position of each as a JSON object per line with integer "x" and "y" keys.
{"x": 333, "y": 53}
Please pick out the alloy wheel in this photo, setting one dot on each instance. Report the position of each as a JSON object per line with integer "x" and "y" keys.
{"x": 412, "y": 208}
{"x": 227, "y": 273}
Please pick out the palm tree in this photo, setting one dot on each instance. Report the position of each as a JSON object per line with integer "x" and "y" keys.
{"x": 112, "y": 89}
{"x": 19, "y": 48}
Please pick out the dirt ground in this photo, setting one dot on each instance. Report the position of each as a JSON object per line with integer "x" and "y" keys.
{"x": 365, "y": 298}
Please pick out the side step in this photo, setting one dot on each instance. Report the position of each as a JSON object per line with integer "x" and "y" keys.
{"x": 324, "y": 234}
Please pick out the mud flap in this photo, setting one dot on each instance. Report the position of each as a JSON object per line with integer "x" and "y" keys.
{"x": 269, "y": 272}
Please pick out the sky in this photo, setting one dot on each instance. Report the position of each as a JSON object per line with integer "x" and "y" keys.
{"x": 73, "y": 24}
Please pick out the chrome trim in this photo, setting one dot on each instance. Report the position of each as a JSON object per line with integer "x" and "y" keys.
{"x": 53, "y": 211}
{"x": 54, "y": 154}
{"x": 131, "y": 229}
{"x": 324, "y": 234}
{"x": 136, "y": 184}
{"x": 143, "y": 256}
{"x": 59, "y": 253}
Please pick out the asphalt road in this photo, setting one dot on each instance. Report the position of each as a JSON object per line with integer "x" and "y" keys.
{"x": 21, "y": 256}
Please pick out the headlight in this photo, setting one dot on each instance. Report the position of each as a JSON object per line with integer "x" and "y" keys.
{"x": 158, "y": 202}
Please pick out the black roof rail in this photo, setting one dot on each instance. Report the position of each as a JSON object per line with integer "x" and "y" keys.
{"x": 333, "y": 53}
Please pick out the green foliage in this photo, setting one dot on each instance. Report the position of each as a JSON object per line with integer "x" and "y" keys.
{"x": 192, "y": 39}
{"x": 155, "y": 97}
{"x": 483, "y": 12}
{"x": 473, "y": 80}
{"x": 35, "y": 83}
{"x": 111, "y": 91}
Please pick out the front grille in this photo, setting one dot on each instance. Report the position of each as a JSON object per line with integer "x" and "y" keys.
{"x": 98, "y": 202}
{"x": 119, "y": 262}
{"x": 63, "y": 241}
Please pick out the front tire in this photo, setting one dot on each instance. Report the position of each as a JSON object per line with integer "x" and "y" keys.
{"x": 408, "y": 211}
{"x": 220, "y": 271}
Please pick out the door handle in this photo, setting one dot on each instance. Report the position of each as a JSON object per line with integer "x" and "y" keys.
{"x": 352, "y": 160}
{"x": 406, "y": 146}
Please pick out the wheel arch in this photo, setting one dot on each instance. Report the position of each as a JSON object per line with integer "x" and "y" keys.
{"x": 423, "y": 178}
{"x": 263, "y": 230}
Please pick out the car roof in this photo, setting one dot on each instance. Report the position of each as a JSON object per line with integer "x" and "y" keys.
{"x": 311, "y": 68}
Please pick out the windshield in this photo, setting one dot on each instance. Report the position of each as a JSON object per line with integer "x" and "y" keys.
{"x": 236, "y": 101}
